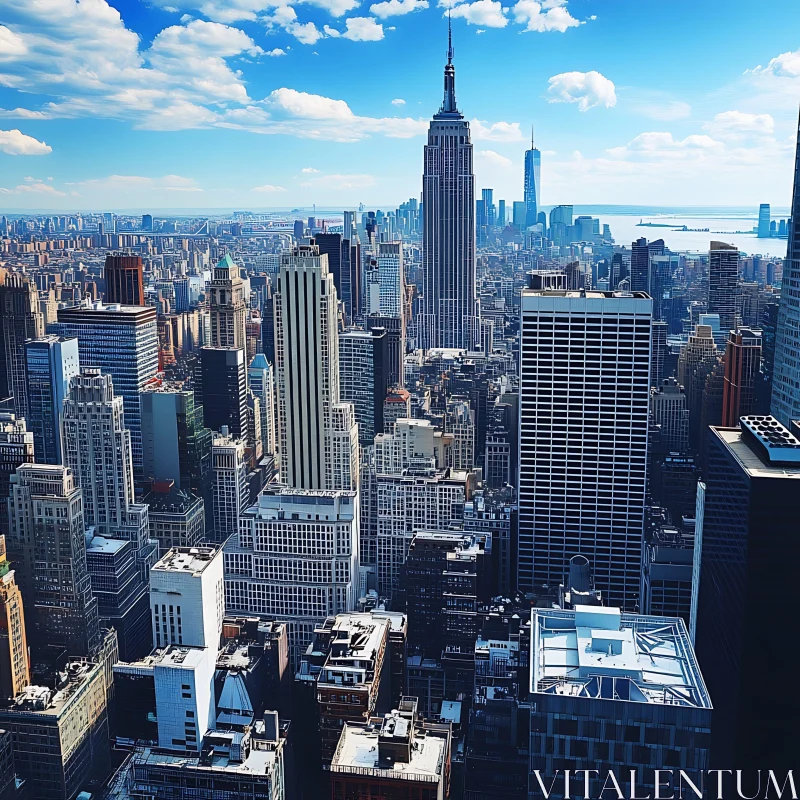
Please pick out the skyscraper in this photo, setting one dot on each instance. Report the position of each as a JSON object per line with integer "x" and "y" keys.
{"x": 16, "y": 447}
{"x": 723, "y": 283}
{"x": 97, "y": 448}
{"x": 316, "y": 431}
{"x": 364, "y": 378}
{"x": 124, "y": 279}
{"x": 641, "y": 251}
{"x": 584, "y": 392}
{"x": 221, "y": 386}
{"x": 51, "y": 362}
{"x": 20, "y": 319}
{"x": 449, "y": 316}
{"x": 786, "y": 377}
{"x": 745, "y": 571}
{"x": 227, "y": 305}
{"x": 14, "y": 667}
{"x": 343, "y": 263}
{"x": 742, "y": 368}
{"x": 764, "y": 219}
{"x": 47, "y": 527}
{"x": 533, "y": 161}
{"x": 122, "y": 341}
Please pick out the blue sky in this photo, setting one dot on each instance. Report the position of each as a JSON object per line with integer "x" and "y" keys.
{"x": 114, "y": 104}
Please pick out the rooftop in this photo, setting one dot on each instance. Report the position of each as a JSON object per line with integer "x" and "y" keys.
{"x": 600, "y": 653}
{"x": 358, "y": 752}
{"x": 45, "y": 700}
{"x": 179, "y": 656}
{"x": 757, "y": 454}
{"x": 100, "y": 544}
{"x": 186, "y": 559}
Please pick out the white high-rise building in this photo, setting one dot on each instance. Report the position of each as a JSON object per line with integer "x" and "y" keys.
{"x": 584, "y": 392}
{"x": 317, "y": 433}
{"x": 187, "y": 598}
{"x": 231, "y": 493}
{"x": 97, "y": 448}
{"x": 295, "y": 559}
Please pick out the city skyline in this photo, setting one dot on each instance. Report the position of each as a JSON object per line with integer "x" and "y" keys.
{"x": 623, "y": 125}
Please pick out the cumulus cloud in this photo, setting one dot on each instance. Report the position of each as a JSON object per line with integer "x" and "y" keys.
{"x": 494, "y": 159}
{"x": 786, "y": 65}
{"x": 738, "y": 124}
{"x": 336, "y": 8}
{"x": 268, "y": 188}
{"x": 16, "y": 143}
{"x": 276, "y": 52}
{"x": 496, "y": 132}
{"x": 544, "y": 16}
{"x": 489, "y": 13}
{"x": 398, "y": 101}
{"x": 396, "y": 8}
{"x": 309, "y": 170}
{"x": 363, "y": 29}
{"x": 587, "y": 89}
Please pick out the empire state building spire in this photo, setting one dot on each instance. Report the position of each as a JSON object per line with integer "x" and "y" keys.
{"x": 449, "y": 315}
{"x": 449, "y": 107}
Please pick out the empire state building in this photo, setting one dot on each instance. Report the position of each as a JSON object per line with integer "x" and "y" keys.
{"x": 449, "y": 315}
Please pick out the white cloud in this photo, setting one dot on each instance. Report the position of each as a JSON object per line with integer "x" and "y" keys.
{"x": 737, "y": 124}
{"x": 482, "y": 12}
{"x": 396, "y": 8}
{"x": 662, "y": 145}
{"x": 276, "y": 52}
{"x": 548, "y": 15}
{"x": 496, "y": 132}
{"x": 10, "y": 43}
{"x": 34, "y": 186}
{"x": 363, "y": 29}
{"x": 124, "y": 184}
{"x": 16, "y": 143}
{"x": 398, "y": 101}
{"x": 494, "y": 159}
{"x": 336, "y": 8}
{"x": 268, "y": 188}
{"x": 23, "y": 113}
{"x": 309, "y": 170}
{"x": 786, "y": 65}
{"x": 309, "y": 106}
{"x": 587, "y": 89}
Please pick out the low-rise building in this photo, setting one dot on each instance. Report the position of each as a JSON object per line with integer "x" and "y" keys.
{"x": 231, "y": 765}
{"x": 401, "y": 756}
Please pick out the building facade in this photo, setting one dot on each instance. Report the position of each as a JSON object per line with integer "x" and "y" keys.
{"x": 583, "y": 437}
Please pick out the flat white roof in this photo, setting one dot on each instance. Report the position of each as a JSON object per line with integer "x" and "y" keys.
{"x": 596, "y": 652}
{"x": 186, "y": 559}
{"x": 358, "y": 748}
